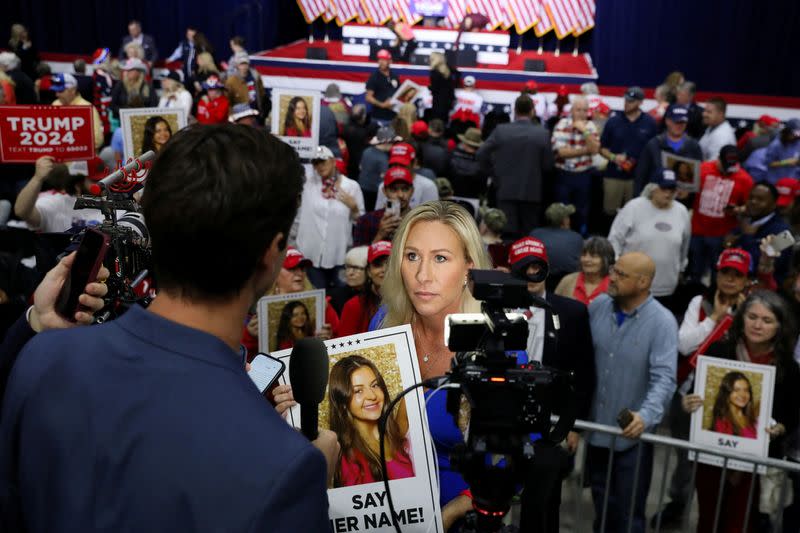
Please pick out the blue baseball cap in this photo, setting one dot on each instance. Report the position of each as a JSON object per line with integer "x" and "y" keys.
{"x": 61, "y": 81}
{"x": 677, "y": 113}
{"x": 667, "y": 180}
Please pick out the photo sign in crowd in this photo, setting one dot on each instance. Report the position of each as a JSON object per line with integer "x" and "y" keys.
{"x": 367, "y": 371}
{"x": 28, "y": 132}
{"x": 737, "y": 402}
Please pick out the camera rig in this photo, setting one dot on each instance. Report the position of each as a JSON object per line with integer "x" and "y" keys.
{"x": 510, "y": 404}
{"x": 129, "y": 258}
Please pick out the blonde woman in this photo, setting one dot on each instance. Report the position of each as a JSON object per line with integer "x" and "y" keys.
{"x": 206, "y": 66}
{"x": 435, "y": 246}
{"x": 443, "y": 86}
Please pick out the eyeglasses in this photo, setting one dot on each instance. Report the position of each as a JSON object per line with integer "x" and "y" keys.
{"x": 619, "y": 273}
{"x": 354, "y": 267}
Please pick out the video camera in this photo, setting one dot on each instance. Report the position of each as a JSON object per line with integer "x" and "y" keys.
{"x": 129, "y": 258}
{"x": 508, "y": 401}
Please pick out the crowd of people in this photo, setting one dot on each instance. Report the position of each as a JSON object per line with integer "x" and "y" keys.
{"x": 642, "y": 266}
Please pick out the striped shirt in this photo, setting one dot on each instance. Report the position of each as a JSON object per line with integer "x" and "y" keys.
{"x": 567, "y": 136}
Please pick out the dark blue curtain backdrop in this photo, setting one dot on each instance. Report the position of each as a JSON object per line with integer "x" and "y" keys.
{"x": 745, "y": 46}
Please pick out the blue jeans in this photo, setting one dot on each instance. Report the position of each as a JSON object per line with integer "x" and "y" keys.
{"x": 575, "y": 188}
{"x": 621, "y": 487}
{"x": 703, "y": 252}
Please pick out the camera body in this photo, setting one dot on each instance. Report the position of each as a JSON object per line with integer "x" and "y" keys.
{"x": 510, "y": 401}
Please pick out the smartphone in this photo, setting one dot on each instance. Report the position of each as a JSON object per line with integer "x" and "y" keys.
{"x": 624, "y": 418}
{"x": 393, "y": 207}
{"x": 88, "y": 261}
{"x": 265, "y": 370}
{"x": 782, "y": 241}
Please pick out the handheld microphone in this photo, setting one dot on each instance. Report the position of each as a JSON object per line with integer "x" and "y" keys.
{"x": 308, "y": 374}
{"x": 135, "y": 165}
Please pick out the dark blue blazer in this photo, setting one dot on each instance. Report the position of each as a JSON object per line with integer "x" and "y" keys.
{"x": 142, "y": 424}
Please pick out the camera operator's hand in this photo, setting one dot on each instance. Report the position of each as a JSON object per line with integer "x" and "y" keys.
{"x": 691, "y": 402}
{"x": 44, "y": 316}
{"x": 573, "y": 439}
{"x": 455, "y": 509}
{"x": 635, "y": 428}
{"x": 284, "y": 399}
{"x": 328, "y": 443}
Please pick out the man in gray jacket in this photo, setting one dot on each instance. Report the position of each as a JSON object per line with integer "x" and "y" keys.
{"x": 518, "y": 153}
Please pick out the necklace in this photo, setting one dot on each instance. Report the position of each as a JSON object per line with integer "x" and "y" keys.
{"x": 425, "y": 356}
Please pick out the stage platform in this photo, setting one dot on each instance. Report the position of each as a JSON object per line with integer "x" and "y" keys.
{"x": 290, "y": 61}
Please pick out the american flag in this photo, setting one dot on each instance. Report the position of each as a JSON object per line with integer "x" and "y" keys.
{"x": 543, "y": 22}
{"x": 456, "y": 12}
{"x": 346, "y": 10}
{"x": 312, "y": 9}
{"x": 402, "y": 11}
{"x": 586, "y": 8}
{"x": 491, "y": 8}
{"x": 508, "y": 15}
{"x": 379, "y": 11}
{"x": 562, "y": 15}
{"x": 523, "y": 13}
{"x": 361, "y": 17}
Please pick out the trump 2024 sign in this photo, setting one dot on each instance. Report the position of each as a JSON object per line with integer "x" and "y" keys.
{"x": 28, "y": 132}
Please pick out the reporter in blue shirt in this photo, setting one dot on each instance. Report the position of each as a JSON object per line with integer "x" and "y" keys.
{"x": 150, "y": 422}
{"x": 636, "y": 348}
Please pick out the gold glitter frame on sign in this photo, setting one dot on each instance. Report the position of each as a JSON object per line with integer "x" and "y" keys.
{"x": 714, "y": 377}
{"x": 132, "y": 122}
{"x": 271, "y": 307}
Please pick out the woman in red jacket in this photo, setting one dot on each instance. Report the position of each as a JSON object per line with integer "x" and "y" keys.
{"x": 213, "y": 106}
{"x": 360, "y": 309}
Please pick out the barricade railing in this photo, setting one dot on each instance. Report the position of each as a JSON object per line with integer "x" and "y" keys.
{"x": 680, "y": 446}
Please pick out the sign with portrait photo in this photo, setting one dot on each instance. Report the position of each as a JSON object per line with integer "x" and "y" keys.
{"x": 687, "y": 171}
{"x": 146, "y": 128}
{"x": 295, "y": 119}
{"x": 407, "y": 92}
{"x": 283, "y": 318}
{"x": 367, "y": 371}
{"x": 736, "y": 411}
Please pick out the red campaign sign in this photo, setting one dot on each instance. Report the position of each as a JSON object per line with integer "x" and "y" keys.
{"x": 28, "y": 132}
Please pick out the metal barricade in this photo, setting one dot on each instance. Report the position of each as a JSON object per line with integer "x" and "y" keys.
{"x": 680, "y": 446}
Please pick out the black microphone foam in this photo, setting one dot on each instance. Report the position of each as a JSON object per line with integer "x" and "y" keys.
{"x": 308, "y": 374}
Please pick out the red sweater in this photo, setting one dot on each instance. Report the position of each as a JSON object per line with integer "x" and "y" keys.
{"x": 212, "y": 111}
{"x": 355, "y": 318}
{"x": 716, "y": 192}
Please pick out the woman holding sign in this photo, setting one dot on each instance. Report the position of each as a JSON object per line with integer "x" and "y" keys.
{"x": 434, "y": 247}
{"x": 762, "y": 332}
{"x": 298, "y": 120}
{"x": 357, "y": 398}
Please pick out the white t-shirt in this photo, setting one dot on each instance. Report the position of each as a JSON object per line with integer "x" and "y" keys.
{"x": 713, "y": 140}
{"x": 180, "y": 100}
{"x": 424, "y": 191}
{"x": 325, "y": 228}
{"x": 662, "y": 234}
{"x": 58, "y": 215}
{"x": 470, "y": 101}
